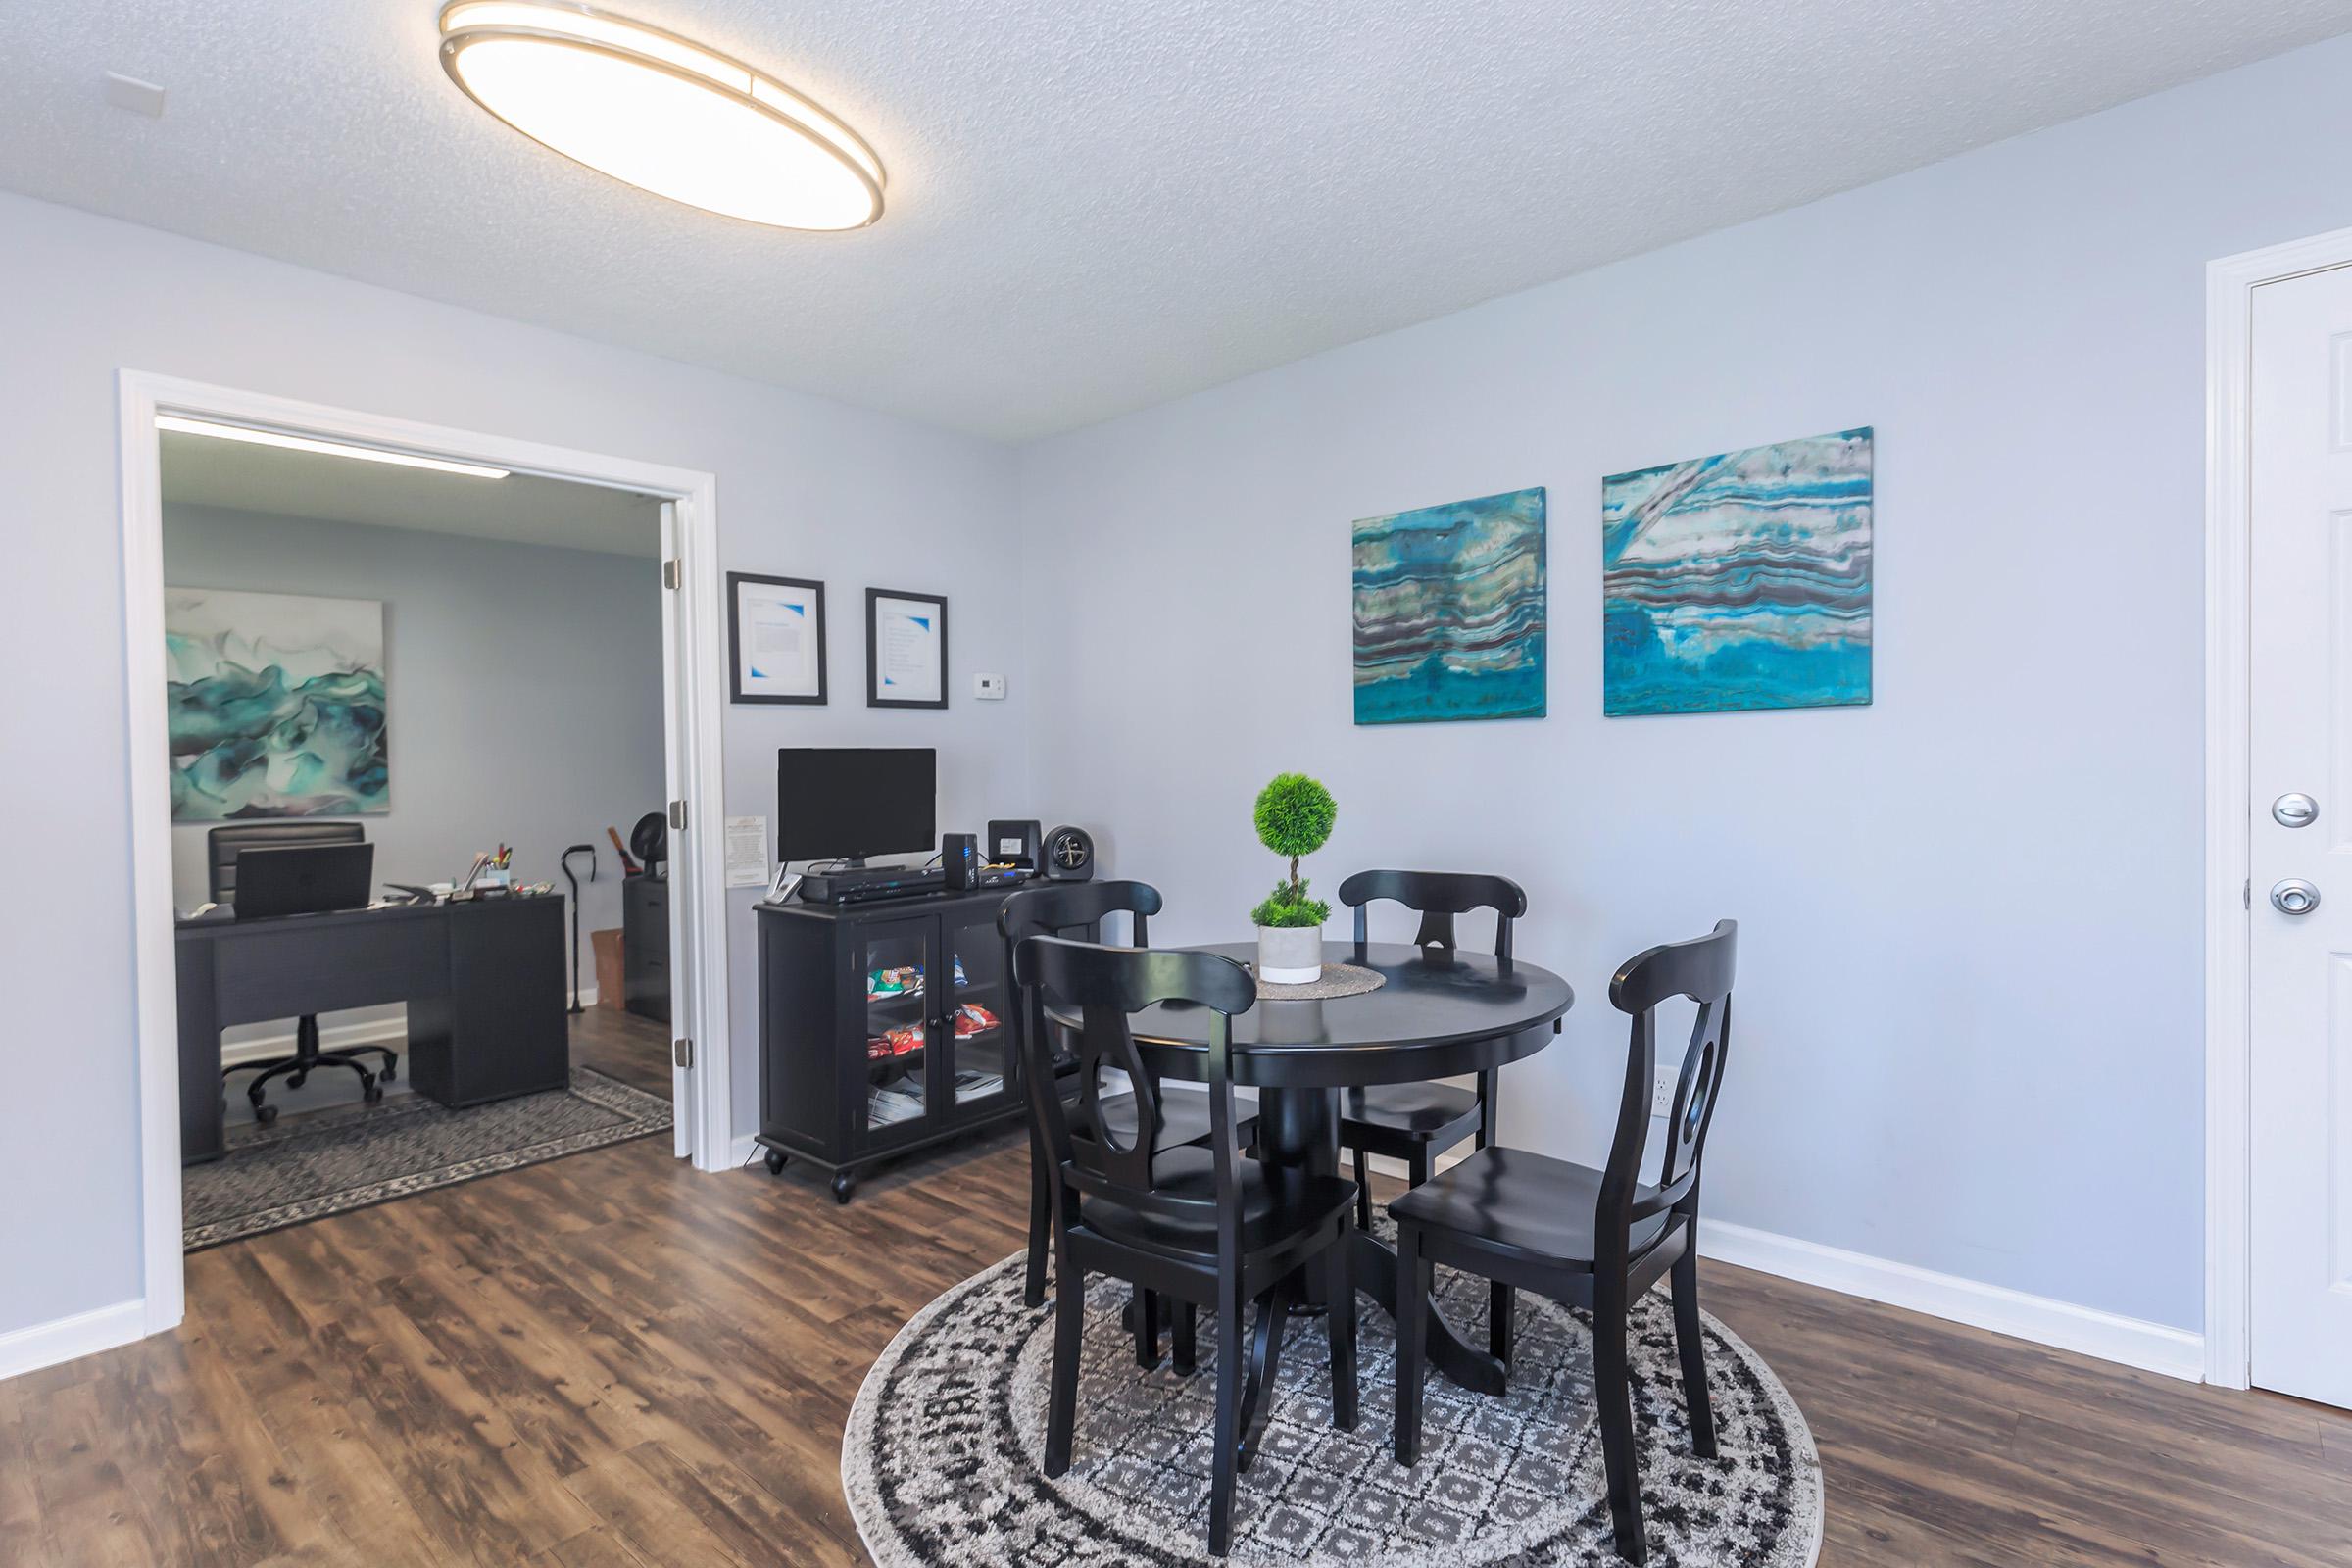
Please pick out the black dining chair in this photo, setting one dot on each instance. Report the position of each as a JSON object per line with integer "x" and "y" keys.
{"x": 1057, "y": 910}
{"x": 1201, "y": 1226}
{"x": 1418, "y": 1122}
{"x": 1595, "y": 1239}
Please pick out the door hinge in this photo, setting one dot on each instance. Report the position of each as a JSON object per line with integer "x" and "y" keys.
{"x": 2249, "y": 893}
{"x": 681, "y": 1051}
{"x": 673, "y": 572}
{"x": 677, "y": 817}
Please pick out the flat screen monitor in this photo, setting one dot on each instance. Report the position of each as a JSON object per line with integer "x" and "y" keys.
{"x": 845, "y": 803}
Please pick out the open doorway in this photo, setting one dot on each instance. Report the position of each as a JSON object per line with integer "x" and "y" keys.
{"x": 501, "y": 647}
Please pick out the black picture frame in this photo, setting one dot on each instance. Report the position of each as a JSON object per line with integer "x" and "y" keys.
{"x": 735, "y": 689}
{"x": 874, "y": 670}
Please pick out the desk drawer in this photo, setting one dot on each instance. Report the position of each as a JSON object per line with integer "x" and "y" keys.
{"x": 337, "y": 964}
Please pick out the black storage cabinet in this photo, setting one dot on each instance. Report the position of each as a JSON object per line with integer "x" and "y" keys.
{"x": 645, "y": 947}
{"x": 882, "y": 1029}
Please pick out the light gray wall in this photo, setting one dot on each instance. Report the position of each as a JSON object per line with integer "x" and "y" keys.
{"x": 1970, "y": 1032}
{"x": 522, "y": 684}
{"x": 806, "y": 487}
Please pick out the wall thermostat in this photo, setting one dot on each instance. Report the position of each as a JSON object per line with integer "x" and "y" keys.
{"x": 988, "y": 688}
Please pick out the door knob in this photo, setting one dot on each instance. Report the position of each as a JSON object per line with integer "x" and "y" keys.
{"x": 2295, "y": 896}
{"x": 2295, "y": 811}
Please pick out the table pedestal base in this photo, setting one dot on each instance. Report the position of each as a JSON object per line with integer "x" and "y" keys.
{"x": 1300, "y": 1128}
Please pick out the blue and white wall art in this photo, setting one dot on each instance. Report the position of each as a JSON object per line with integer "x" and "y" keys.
{"x": 277, "y": 705}
{"x": 1738, "y": 581}
{"x": 1449, "y": 612}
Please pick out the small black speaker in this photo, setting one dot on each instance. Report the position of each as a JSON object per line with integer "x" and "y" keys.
{"x": 959, "y": 857}
{"x": 1012, "y": 844}
{"x": 1069, "y": 856}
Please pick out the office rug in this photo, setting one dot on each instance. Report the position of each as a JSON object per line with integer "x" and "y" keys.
{"x": 334, "y": 1162}
{"x": 941, "y": 1462}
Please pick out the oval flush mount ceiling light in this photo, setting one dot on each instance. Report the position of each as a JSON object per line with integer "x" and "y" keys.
{"x": 661, "y": 113}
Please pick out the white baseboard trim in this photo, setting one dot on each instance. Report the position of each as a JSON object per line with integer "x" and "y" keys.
{"x": 70, "y": 1339}
{"x": 741, "y": 1152}
{"x": 378, "y": 1032}
{"x": 2061, "y": 1325}
{"x": 2044, "y": 1320}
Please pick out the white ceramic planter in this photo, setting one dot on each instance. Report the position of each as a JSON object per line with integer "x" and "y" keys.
{"x": 1290, "y": 956}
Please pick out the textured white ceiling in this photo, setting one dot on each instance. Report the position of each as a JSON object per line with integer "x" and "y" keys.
{"x": 520, "y": 509}
{"x": 1093, "y": 204}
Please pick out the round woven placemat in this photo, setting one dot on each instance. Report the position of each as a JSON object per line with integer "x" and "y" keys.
{"x": 1337, "y": 980}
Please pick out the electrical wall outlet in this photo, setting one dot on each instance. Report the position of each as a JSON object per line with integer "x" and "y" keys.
{"x": 1661, "y": 1093}
{"x": 988, "y": 688}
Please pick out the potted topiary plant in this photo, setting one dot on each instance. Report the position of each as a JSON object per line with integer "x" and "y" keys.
{"x": 1295, "y": 814}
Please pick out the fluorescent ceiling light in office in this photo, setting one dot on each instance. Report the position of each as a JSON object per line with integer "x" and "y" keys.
{"x": 185, "y": 425}
{"x": 660, "y": 112}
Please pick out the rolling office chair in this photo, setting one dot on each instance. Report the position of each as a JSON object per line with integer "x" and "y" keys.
{"x": 222, "y": 847}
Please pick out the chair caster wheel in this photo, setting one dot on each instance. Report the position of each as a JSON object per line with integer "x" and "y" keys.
{"x": 775, "y": 1162}
{"x": 842, "y": 1185}
{"x": 372, "y": 1095}
{"x": 264, "y": 1115}
{"x": 390, "y": 1072}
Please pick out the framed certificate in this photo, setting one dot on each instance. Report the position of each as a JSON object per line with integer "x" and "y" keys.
{"x": 775, "y": 638}
{"x": 906, "y": 650}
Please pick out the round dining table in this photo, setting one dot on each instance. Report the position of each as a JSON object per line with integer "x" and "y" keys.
{"x": 1438, "y": 1013}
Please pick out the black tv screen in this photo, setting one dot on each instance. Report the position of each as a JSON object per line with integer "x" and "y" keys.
{"x": 844, "y": 803}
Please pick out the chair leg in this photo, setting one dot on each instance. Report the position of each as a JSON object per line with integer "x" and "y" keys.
{"x": 1413, "y": 1284}
{"x": 391, "y": 1067}
{"x": 1340, "y": 1322}
{"x": 1185, "y": 1315}
{"x": 1070, "y": 1325}
{"x": 1041, "y": 1221}
{"x": 1363, "y": 1191}
{"x": 1693, "y": 1348}
{"x": 1225, "y": 1463}
{"x": 1502, "y": 1306}
{"x": 1613, "y": 1390}
{"x": 1147, "y": 1328}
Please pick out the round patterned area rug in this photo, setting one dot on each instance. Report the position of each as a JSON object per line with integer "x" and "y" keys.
{"x": 941, "y": 1460}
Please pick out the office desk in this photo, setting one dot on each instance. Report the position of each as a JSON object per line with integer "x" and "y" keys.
{"x": 483, "y": 981}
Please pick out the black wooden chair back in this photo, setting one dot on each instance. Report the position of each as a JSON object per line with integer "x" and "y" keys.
{"x": 1106, "y": 984}
{"x": 1437, "y": 896}
{"x": 1064, "y": 910}
{"x": 1702, "y": 971}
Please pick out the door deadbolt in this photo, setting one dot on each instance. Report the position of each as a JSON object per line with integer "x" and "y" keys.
{"x": 2295, "y": 896}
{"x": 2295, "y": 811}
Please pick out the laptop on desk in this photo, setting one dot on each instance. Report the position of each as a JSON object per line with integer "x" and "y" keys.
{"x": 304, "y": 879}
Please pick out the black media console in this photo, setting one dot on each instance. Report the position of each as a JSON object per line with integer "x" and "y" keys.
{"x": 882, "y": 1028}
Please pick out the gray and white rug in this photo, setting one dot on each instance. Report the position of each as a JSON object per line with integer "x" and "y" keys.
{"x": 941, "y": 1462}
{"x": 329, "y": 1163}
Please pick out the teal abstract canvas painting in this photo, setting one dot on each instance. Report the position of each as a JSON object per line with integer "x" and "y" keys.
{"x": 275, "y": 703}
{"x": 1739, "y": 581}
{"x": 1449, "y": 612}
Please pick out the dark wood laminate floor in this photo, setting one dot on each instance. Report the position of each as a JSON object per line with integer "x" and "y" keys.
{"x": 621, "y": 1045}
{"x": 610, "y": 1360}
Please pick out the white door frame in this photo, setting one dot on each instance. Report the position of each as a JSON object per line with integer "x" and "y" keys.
{"x": 707, "y": 1111}
{"x": 2230, "y": 286}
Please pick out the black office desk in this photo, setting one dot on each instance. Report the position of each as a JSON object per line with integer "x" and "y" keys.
{"x": 483, "y": 981}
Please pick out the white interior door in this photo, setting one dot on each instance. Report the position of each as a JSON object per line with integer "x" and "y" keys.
{"x": 2302, "y": 837}
{"x": 675, "y": 661}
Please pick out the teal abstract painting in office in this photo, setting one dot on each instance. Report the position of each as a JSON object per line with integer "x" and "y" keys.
{"x": 1739, "y": 581}
{"x": 275, "y": 703}
{"x": 1449, "y": 612}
